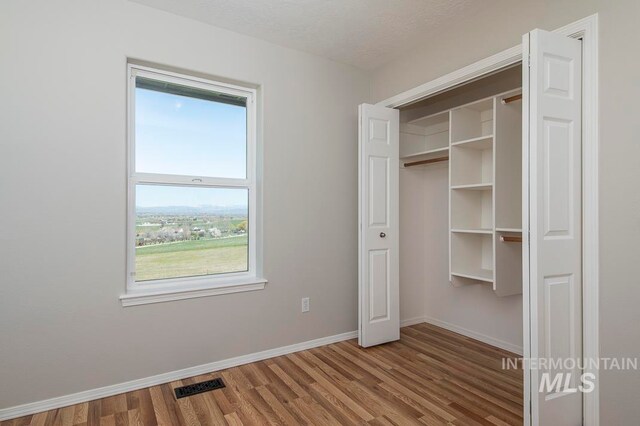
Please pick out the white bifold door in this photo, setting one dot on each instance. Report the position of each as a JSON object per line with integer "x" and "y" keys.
{"x": 378, "y": 275}
{"x": 552, "y": 89}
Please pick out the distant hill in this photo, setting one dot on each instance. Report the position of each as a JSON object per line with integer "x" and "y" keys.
{"x": 192, "y": 210}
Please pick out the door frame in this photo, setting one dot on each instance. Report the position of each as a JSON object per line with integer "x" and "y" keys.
{"x": 586, "y": 30}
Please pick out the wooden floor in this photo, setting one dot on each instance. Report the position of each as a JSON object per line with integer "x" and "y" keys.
{"x": 431, "y": 376}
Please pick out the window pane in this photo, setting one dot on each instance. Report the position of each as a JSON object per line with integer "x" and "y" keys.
{"x": 186, "y": 231}
{"x": 181, "y": 130}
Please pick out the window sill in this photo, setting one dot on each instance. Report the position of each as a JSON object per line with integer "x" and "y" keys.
{"x": 147, "y": 296}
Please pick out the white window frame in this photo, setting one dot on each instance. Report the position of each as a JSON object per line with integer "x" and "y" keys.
{"x": 161, "y": 290}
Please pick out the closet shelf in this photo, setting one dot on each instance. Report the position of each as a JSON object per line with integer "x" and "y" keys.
{"x": 427, "y": 161}
{"x": 473, "y": 231}
{"x": 485, "y": 275}
{"x": 431, "y": 156}
{"x": 474, "y": 186}
{"x": 515, "y": 230}
{"x": 424, "y": 155}
{"x": 431, "y": 120}
{"x": 480, "y": 142}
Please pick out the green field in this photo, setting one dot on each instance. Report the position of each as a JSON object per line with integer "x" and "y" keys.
{"x": 191, "y": 258}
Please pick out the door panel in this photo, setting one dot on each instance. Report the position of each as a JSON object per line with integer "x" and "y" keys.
{"x": 379, "y": 317}
{"x": 379, "y": 198}
{"x": 552, "y": 90}
{"x": 379, "y": 285}
{"x": 558, "y": 188}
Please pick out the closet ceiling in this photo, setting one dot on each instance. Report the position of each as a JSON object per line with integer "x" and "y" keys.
{"x": 363, "y": 33}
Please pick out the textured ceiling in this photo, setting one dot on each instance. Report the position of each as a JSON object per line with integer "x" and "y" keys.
{"x": 364, "y": 33}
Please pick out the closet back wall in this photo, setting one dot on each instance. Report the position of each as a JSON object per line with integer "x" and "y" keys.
{"x": 63, "y": 193}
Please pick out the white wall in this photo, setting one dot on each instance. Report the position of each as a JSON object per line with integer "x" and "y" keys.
{"x": 425, "y": 290}
{"x": 413, "y": 244}
{"x": 499, "y": 27}
{"x": 63, "y": 193}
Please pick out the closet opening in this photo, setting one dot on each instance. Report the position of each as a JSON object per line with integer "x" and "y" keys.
{"x": 460, "y": 211}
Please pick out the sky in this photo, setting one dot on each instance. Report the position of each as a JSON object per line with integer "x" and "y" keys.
{"x": 181, "y": 135}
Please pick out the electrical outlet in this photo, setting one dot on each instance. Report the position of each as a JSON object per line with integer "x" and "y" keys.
{"x": 305, "y": 304}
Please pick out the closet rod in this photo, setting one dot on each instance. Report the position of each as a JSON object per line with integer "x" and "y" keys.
{"x": 510, "y": 239}
{"x": 512, "y": 99}
{"x": 429, "y": 161}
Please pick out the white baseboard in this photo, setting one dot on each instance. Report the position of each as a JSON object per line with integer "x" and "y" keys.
{"x": 89, "y": 395}
{"x": 466, "y": 332}
{"x": 412, "y": 321}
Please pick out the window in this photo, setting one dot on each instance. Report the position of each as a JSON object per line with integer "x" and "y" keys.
{"x": 192, "y": 187}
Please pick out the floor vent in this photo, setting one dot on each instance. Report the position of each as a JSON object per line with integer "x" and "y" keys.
{"x": 197, "y": 388}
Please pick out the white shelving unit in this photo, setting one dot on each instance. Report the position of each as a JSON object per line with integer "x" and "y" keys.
{"x": 483, "y": 144}
{"x": 471, "y": 193}
{"x": 485, "y": 195}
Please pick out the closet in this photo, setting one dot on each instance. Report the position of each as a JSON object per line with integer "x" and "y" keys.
{"x": 478, "y": 136}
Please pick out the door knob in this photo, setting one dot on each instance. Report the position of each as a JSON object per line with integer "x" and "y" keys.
{"x": 382, "y": 235}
